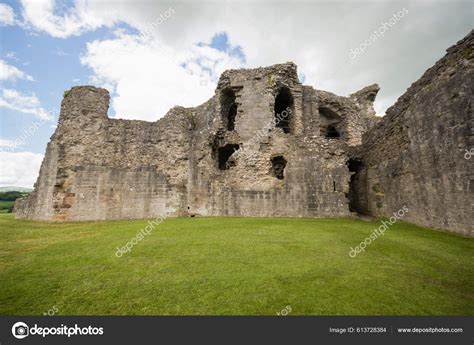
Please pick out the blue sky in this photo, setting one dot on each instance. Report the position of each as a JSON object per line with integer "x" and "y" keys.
{"x": 152, "y": 56}
{"x": 59, "y": 69}
{"x": 54, "y": 64}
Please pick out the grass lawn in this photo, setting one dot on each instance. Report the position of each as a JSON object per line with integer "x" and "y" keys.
{"x": 233, "y": 266}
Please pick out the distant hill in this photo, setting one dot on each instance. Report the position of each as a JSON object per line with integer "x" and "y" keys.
{"x": 16, "y": 189}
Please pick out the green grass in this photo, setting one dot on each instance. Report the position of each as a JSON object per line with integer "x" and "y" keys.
{"x": 233, "y": 266}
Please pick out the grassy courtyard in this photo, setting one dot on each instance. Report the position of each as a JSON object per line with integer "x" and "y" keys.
{"x": 233, "y": 266}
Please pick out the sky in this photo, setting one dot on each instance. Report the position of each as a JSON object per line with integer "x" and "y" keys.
{"x": 153, "y": 55}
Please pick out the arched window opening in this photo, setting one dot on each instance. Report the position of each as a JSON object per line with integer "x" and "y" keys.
{"x": 231, "y": 117}
{"x": 332, "y": 133}
{"x": 329, "y": 123}
{"x": 278, "y": 167}
{"x": 224, "y": 153}
{"x": 283, "y": 109}
{"x": 228, "y": 108}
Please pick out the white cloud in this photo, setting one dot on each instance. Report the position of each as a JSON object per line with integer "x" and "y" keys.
{"x": 9, "y": 72}
{"x": 84, "y": 16}
{"x": 27, "y": 104}
{"x": 383, "y": 103}
{"x": 11, "y": 55}
{"x": 7, "y": 144}
{"x": 7, "y": 15}
{"x": 149, "y": 77}
{"x": 317, "y": 36}
{"x": 19, "y": 169}
{"x": 60, "y": 52}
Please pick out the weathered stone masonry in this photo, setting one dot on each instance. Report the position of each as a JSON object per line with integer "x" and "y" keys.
{"x": 330, "y": 156}
{"x": 416, "y": 154}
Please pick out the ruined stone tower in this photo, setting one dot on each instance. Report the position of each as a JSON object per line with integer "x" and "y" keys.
{"x": 266, "y": 145}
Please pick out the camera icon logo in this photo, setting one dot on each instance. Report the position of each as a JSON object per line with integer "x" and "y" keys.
{"x": 20, "y": 330}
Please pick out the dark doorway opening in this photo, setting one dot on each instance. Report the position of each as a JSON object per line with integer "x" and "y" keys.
{"x": 224, "y": 153}
{"x": 228, "y": 108}
{"x": 231, "y": 117}
{"x": 357, "y": 195}
{"x": 278, "y": 167}
{"x": 330, "y": 123}
{"x": 332, "y": 132}
{"x": 283, "y": 109}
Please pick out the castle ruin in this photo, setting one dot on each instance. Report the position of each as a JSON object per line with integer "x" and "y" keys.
{"x": 265, "y": 145}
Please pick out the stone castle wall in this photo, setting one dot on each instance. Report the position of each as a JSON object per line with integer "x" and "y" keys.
{"x": 235, "y": 155}
{"x": 101, "y": 168}
{"x": 416, "y": 155}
